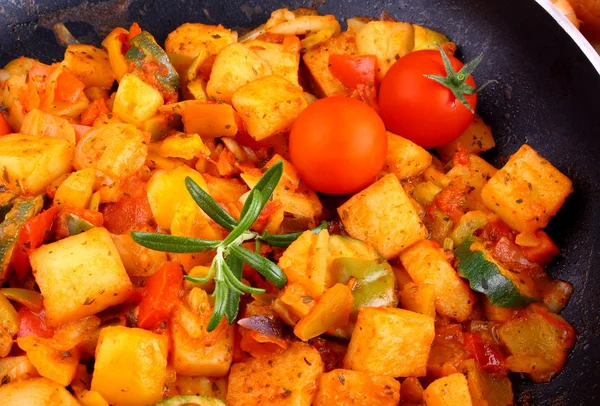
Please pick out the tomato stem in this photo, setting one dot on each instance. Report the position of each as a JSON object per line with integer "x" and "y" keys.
{"x": 456, "y": 81}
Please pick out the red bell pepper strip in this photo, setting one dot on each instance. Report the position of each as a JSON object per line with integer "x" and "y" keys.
{"x": 28, "y": 298}
{"x": 61, "y": 225}
{"x": 68, "y": 88}
{"x": 4, "y": 126}
{"x": 161, "y": 295}
{"x": 132, "y": 210}
{"x": 487, "y": 355}
{"x": 33, "y": 234}
{"x": 544, "y": 251}
{"x": 33, "y": 323}
{"x": 353, "y": 70}
{"x": 95, "y": 110}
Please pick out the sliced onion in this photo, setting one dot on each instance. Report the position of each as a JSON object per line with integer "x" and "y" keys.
{"x": 63, "y": 35}
{"x": 234, "y": 147}
{"x": 253, "y": 34}
{"x": 266, "y": 325}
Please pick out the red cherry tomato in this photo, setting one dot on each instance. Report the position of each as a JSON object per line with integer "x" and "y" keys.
{"x": 419, "y": 108}
{"x": 338, "y": 145}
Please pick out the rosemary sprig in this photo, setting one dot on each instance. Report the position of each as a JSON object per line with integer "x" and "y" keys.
{"x": 227, "y": 265}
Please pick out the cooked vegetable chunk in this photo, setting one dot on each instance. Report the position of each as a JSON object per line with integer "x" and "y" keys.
{"x": 76, "y": 190}
{"x": 346, "y": 387}
{"x": 131, "y": 366}
{"x": 405, "y": 159}
{"x": 426, "y": 263}
{"x": 427, "y": 39}
{"x": 486, "y": 388}
{"x": 269, "y": 105}
{"x": 188, "y": 38}
{"x": 383, "y": 216}
{"x": 36, "y": 391}
{"x": 390, "y": 342}
{"x": 527, "y": 191}
{"x": 90, "y": 65}
{"x": 288, "y": 378}
{"x": 387, "y": 40}
{"x": 419, "y": 298}
{"x": 136, "y": 101}
{"x": 476, "y": 139}
{"x": 48, "y": 125}
{"x": 80, "y": 276}
{"x": 209, "y": 120}
{"x": 451, "y": 390}
{"x": 28, "y": 163}
{"x": 60, "y": 366}
{"x": 235, "y": 66}
{"x": 472, "y": 176}
{"x": 283, "y": 58}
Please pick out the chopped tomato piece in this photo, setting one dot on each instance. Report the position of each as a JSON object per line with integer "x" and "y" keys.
{"x": 33, "y": 323}
{"x": 33, "y": 234}
{"x": 461, "y": 156}
{"x": 544, "y": 251}
{"x": 353, "y": 70}
{"x": 132, "y": 210}
{"x": 451, "y": 201}
{"x": 487, "y": 354}
{"x": 95, "y": 109}
{"x": 68, "y": 88}
{"x": 161, "y": 295}
{"x": 4, "y": 126}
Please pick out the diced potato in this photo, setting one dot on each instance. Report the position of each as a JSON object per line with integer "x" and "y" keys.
{"x": 6, "y": 342}
{"x": 225, "y": 190}
{"x": 451, "y": 390}
{"x": 317, "y": 62}
{"x": 476, "y": 139}
{"x": 283, "y": 58}
{"x": 383, "y": 216}
{"x": 426, "y": 263}
{"x": 527, "y": 191}
{"x": 269, "y": 105}
{"x": 290, "y": 176}
{"x": 346, "y": 387}
{"x": 159, "y": 125}
{"x": 424, "y": 193}
{"x": 387, "y": 40}
{"x": 235, "y": 66}
{"x": 136, "y": 101}
{"x": 36, "y": 391}
{"x": 404, "y": 158}
{"x": 391, "y": 342}
{"x": 59, "y": 366}
{"x": 190, "y": 221}
{"x": 473, "y": 176}
{"x": 427, "y": 39}
{"x": 116, "y": 150}
{"x": 419, "y": 298}
{"x": 305, "y": 262}
{"x": 9, "y": 318}
{"x": 209, "y": 120}
{"x": 166, "y": 188}
{"x": 487, "y": 389}
{"x": 331, "y": 312}
{"x": 77, "y": 189}
{"x": 289, "y": 378}
{"x": 28, "y": 164}
{"x": 182, "y": 145}
{"x": 186, "y": 39}
{"x": 79, "y": 276}
{"x": 196, "y": 352}
{"x": 17, "y": 368}
{"x": 411, "y": 391}
{"x": 131, "y": 366}
{"x": 91, "y": 398}
{"x": 90, "y": 65}
{"x": 48, "y": 125}
{"x": 137, "y": 260}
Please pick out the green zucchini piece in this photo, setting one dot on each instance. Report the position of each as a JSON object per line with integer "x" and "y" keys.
{"x": 77, "y": 225}
{"x": 502, "y": 286}
{"x": 7, "y": 200}
{"x": 144, "y": 45}
{"x": 347, "y": 247}
{"x": 10, "y": 228}
{"x": 191, "y": 400}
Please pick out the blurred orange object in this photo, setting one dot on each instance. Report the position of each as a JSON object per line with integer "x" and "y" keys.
{"x": 565, "y": 7}
{"x": 588, "y": 12}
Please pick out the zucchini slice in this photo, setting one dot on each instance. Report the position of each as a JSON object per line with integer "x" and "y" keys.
{"x": 347, "y": 247}
{"x": 7, "y": 200}
{"x": 191, "y": 400}
{"x": 15, "y": 219}
{"x": 503, "y": 287}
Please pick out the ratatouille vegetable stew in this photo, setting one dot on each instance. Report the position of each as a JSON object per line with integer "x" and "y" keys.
{"x": 295, "y": 216}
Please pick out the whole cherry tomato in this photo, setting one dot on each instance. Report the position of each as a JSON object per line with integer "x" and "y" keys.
{"x": 338, "y": 145}
{"x": 421, "y": 108}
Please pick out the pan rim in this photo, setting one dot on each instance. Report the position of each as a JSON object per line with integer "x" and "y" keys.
{"x": 583, "y": 44}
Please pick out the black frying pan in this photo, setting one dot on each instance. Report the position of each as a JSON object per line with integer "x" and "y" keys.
{"x": 547, "y": 95}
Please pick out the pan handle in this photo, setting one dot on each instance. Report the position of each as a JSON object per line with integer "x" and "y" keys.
{"x": 573, "y": 32}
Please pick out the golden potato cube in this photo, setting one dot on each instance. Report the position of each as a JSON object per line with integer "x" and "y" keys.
{"x": 166, "y": 188}
{"x": 317, "y": 62}
{"x": 427, "y": 39}
{"x": 383, "y": 216}
{"x": 48, "y": 125}
{"x": 29, "y": 163}
{"x": 426, "y": 263}
{"x": 269, "y": 105}
{"x": 473, "y": 177}
{"x": 346, "y": 387}
{"x": 390, "y": 342}
{"x": 209, "y": 120}
{"x": 404, "y": 158}
{"x": 182, "y": 145}
{"x": 131, "y": 366}
{"x": 136, "y": 101}
{"x": 286, "y": 379}
{"x": 235, "y": 66}
{"x": 90, "y": 65}
{"x": 387, "y": 40}
{"x": 187, "y": 39}
{"x": 77, "y": 189}
{"x": 36, "y": 391}
{"x": 283, "y": 59}
{"x": 80, "y": 275}
{"x": 476, "y": 139}
{"x": 451, "y": 390}
{"x": 527, "y": 191}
